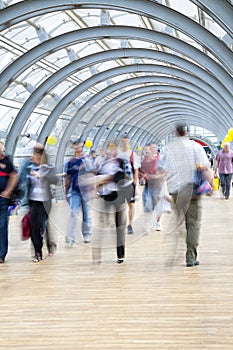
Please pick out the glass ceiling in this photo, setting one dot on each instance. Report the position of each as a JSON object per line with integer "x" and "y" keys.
{"x": 18, "y": 39}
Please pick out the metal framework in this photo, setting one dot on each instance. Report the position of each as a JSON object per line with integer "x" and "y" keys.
{"x": 196, "y": 87}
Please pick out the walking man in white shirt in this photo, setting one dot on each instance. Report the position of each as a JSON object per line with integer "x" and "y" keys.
{"x": 180, "y": 161}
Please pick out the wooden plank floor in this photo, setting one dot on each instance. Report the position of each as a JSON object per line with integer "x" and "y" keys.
{"x": 151, "y": 302}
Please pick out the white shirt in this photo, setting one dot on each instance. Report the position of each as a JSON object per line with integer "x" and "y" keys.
{"x": 109, "y": 167}
{"x": 38, "y": 190}
{"x": 180, "y": 160}
{"x": 127, "y": 154}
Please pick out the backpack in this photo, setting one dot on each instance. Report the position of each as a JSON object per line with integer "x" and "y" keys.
{"x": 127, "y": 177}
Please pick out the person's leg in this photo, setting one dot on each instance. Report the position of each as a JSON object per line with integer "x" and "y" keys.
{"x": 75, "y": 203}
{"x": 101, "y": 215}
{"x": 3, "y": 228}
{"x": 158, "y": 223}
{"x": 148, "y": 206}
{"x": 86, "y": 223}
{"x": 37, "y": 213}
{"x": 223, "y": 183}
{"x": 50, "y": 241}
{"x": 120, "y": 218}
{"x": 158, "y": 203}
{"x": 130, "y": 198}
{"x": 181, "y": 206}
{"x": 131, "y": 213}
{"x": 228, "y": 178}
{"x": 192, "y": 219}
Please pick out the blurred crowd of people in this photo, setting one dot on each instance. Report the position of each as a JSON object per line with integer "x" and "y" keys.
{"x": 111, "y": 177}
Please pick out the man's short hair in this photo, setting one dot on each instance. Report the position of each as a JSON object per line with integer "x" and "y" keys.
{"x": 77, "y": 141}
{"x": 182, "y": 129}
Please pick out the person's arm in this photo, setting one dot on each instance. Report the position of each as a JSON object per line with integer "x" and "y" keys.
{"x": 104, "y": 179}
{"x": 136, "y": 165}
{"x": 67, "y": 183}
{"x": 208, "y": 174}
{"x": 216, "y": 166}
{"x": 205, "y": 166}
{"x": 136, "y": 172}
{"x": 12, "y": 182}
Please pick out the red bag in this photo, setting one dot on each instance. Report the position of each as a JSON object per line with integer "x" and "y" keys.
{"x": 26, "y": 227}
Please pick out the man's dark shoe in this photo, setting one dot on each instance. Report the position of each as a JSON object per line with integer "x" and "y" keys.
{"x": 193, "y": 264}
{"x": 130, "y": 229}
{"x": 2, "y": 260}
{"x": 120, "y": 261}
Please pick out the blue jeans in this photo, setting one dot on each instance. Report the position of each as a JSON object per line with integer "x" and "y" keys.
{"x": 3, "y": 227}
{"x": 225, "y": 182}
{"x": 76, "y": 201}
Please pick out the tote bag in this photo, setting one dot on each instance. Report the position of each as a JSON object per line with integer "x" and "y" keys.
{"x": 26, "y": 227}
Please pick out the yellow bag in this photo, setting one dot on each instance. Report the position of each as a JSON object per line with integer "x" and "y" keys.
{"x": 215, "y": 184}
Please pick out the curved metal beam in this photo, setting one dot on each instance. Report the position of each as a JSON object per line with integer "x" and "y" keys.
{"x": 72, "y": 95}
{"x": 111, "y": 114}
{"x": 67, "y": 133}
{"x": 143, "y": 109}
{"x": 168, "y": 129}
{"x": 28, "y": 8}
{"x": 60, "y": 157}
{"x": 37, "y": 53}
{"x": 156, "y": 105}
{"x": 158, "y": 126}
{"x": 169, "y": 118}
{"x": 51, "y": 82}
{"x": 196, "y": 118}
{"x": 138, "y": 105}
{"x": 180, "y": 87}
{"x": 220, "y": 11}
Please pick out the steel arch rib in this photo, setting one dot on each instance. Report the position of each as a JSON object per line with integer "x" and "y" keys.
{"x": 142, "y": 124}
{"x": 37, "y": 95}
{"x": 59, "y": 109}
{"x": 137, "y": 105}
{"x": 148, "y": 117}
{"x": 178, "y": 88}
{"x": 220, "y": 11}
{"x": 133, "y": 103}
{"x": 160, "y": 104}
{"x": 119, "y": 99}
{"x": 28, "y": 8}
{"x": 176, "y": 118}
{"x": 168, "y": 127}
{"x": 142, "y": 103}
{"x": 156, "y": 124}
{"x": 68, "y": 132}
{"x": 80, "y": 114}
{"x": 67, "y": 39}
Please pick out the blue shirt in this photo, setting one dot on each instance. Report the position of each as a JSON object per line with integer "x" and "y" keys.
{"x": 74, "y": 167}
